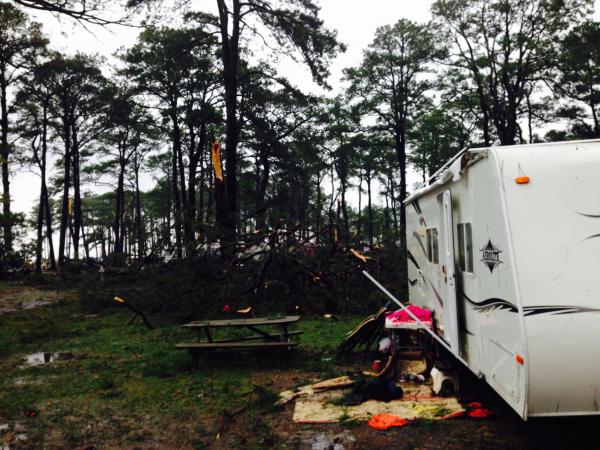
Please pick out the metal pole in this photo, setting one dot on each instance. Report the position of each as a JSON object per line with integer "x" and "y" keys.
{"x": 416, "y": 319}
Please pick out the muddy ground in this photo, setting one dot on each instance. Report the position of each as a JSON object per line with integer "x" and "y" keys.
{"x": 122, "y": 387}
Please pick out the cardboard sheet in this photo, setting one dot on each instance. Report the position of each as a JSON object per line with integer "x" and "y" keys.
{"x": 418, "y": 402}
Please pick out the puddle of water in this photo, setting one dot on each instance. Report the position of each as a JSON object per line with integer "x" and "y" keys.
{"x": 41, "y": 358}
{"x": 30, "y": 304}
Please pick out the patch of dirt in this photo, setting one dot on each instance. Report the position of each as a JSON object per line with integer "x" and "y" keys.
{"x": 321, "y": 440}
{"x": 17, "y": 300}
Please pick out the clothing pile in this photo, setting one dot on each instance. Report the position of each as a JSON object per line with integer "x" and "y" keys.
{"x": 365, "y": 389}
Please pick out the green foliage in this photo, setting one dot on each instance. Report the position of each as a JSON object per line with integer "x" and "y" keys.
{"x": 439, "y": 135}
{"x": 283, "y": 277}
{"x": 580, "y": 73}
{"x": 390, "y": 78}
{"x": 505, "y": 47}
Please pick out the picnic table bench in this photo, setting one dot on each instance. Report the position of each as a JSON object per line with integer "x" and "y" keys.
{"x": 268, "y": 340}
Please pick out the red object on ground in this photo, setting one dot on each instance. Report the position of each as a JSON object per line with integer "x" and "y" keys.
{"x": 385, "y": 421}
{"x": 423, "y": 314}
{"x": 31, "y": 413}
{"x": 475, "y": 411}
{"x": 226, "y": 308}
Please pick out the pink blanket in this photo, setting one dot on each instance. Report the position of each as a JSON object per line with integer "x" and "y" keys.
{"x": 401, "y": 316}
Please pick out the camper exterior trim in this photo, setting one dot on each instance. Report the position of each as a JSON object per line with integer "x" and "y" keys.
{"x": 504, "y": 246}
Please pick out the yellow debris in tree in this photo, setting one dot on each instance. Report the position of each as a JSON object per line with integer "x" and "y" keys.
{"x": 119, "y": 300}
{"x": 359, "y": 255}
{"x": 216, "y": 160}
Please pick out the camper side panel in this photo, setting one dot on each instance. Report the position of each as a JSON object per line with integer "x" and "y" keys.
{"x": 489, "y": 321}
{"x": 555, "y": 220}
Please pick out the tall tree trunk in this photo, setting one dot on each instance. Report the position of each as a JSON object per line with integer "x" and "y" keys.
{"x": 263, "y": 183}
{"x": 393, "y": 200}
{"x": 49, "y": 231}
{"x": 200, "y": 212}
{"x": 177, "y": 204}
{"x": 64, "y": 218}
{"x": 195, "y": 156}
{"x": 230, "y": 55}
{"x": 40, "y": 228}
{"x": 344, "y": 210}
{"x": 318, "y": 210}
{"x": 211, "y": 197}
{"x": 369, "y": 207}
{"x": 400, "y": 142}
{"x": 119, "y": 207}
{"x": 86, "y": 244}
{"x": 305, "y": 206}
{"x": 44, "y": 193}
{"x": 221, "y": 205}
{"x": 359, "y": 219}
{"x": 77, "y": 211}
{"x": 346, "y": 237}
{"x": 5, "y": 154}
{"x": 103, "y": 248}
{"x": 41, "y": 161}
{"x": 139, "y": 227}
{"x": 529, "y": 118}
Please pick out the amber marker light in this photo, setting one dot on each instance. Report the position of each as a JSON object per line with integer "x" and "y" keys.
{"x": 520, "y": 359}
{"x": 522, "y": 180}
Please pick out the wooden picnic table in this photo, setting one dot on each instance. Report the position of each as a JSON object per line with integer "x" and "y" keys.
{"x": 282, "y": 339}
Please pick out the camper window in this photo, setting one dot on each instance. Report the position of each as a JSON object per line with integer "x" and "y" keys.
{"x": 432, "y": 246}
{"x": 465, "y": 247}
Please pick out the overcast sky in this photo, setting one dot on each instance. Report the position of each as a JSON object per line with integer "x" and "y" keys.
{"x": 354, "y": 20}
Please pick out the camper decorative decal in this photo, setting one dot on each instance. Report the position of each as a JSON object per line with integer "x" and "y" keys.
{"x": 420, "y": 241}
{"x": 493, "y": 304}
{"x": 490, "y": 304}
{"x": 413, "y": 260}
{"x": 556, "y": 310}
{"x": 591, "y": 216}
{"x": 490, "y": 256}
{"x": 438, "y": 297}
{"x": 419, "y": 213}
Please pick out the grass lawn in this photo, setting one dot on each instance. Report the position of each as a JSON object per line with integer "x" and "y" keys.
{"x": 124, "y": 384}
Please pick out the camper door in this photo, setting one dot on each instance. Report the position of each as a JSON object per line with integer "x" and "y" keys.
{"x": 447, "y": 263}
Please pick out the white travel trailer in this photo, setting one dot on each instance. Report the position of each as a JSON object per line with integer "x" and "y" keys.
{"x": 504, "y": 246}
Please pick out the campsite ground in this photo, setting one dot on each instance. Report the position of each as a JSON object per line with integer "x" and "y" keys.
{"x": 123, "y": 386}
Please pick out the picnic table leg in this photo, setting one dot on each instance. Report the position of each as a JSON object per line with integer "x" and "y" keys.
{"x": 195, "y": 359}
{"x": 284, "y": 333}
{"x": 208, "y": 335}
